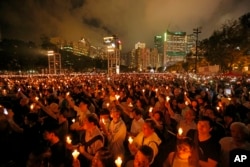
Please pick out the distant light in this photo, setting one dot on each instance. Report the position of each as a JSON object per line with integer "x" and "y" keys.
{"x": 50, "y": 53}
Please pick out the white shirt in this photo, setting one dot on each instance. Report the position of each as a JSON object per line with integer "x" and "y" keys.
{"x": 136, "y": 126}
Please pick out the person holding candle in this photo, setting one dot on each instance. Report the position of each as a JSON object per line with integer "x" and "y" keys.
{"x": 137, "y": 123}
{"x": 91, "y": 140}
{"x": 81, "y": 111}
{"x": 116, "y": 133}
{"x": 146, "y": 137}
{"x": 57, "y": 153}
{"x": 182, "y": 156}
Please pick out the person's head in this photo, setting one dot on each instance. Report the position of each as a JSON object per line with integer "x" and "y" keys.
{"x": 210, "y": 112}
{"x": 148, "y": 127}
{"x": 50, "y": 132}
{"x": 184, "y": 148}
{"x": 103, "y": 158}
{"x": 143, "y": 156}
{"x": 204, "y": 126}
{"x": 115, "y": 114}
{"x": 158, "y": 115}
{"x": 136, "y": 113}
{"x": 181, "y": 103}
{"x": 90, "y": 122}
{"x": 104, "y": 113}
{"x": 83, "y": 104}
{"x": 189, "y": 115}
{"x": 239, "y": 131}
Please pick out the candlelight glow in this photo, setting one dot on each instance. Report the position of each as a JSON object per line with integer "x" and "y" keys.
{"x": 167, "y": 98}
{"x": 73, "y": 120}
{"x": 150, "y": 109}
{"x": 118, "y": 162}
{"x": 75, "y": 154}
{"x": 180, "y": 131}
{"x": 68, "y": 140}
{"x": 130, "y": 140}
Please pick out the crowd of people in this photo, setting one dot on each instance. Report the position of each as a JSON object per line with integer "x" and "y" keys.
{"x": 125, "y": 120}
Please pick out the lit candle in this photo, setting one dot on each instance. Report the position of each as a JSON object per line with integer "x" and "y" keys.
{"x": 167, "y": 98}
{"x": 107, "y": 104}
{"x": 73, "y": 120}
{"x": 130, "y": 140}
{"x": 130, "y": 104}
{"x": 32, "y": 106}
{"x": 186, "y": 102}
{"x": 118, "y": 162}
{"x": 68, "y": 140}
{"x": 218, "y": 108}
{"x": 180, "y": 131}
{"x": 36, "y": 98}
{"x": 143, "y": 90}
{"x": 117, "y": 97}
{"x": 156, "y": 90}
{"x": 75, "y": 154}
{"x": 150, "y": 109}
{"x": 67, "y": 94}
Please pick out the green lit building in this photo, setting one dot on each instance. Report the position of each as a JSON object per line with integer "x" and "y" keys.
{"x": 176, "y": 47}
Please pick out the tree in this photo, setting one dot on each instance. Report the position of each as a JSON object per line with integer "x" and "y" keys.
{"x": 223, "y": 47}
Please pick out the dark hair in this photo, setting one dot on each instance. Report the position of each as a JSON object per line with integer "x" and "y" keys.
{"x": 206, "y": 118}
{"x": 106, "y": 157}
{"x": 137, "y": 111}
{"x": 151, "y": 123}
{"x": 187, "y": 141}
{"x": 147, "y": 151}
{"x": 104, "y": 111}
{"x": 93, "y": 118}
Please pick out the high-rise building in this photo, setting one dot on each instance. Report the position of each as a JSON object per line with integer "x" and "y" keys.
{"x": 176, "y": 47}
{"x": 158, "y": 44}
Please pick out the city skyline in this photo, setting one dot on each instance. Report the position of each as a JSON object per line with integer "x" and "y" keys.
{"x": 131, "y": 21}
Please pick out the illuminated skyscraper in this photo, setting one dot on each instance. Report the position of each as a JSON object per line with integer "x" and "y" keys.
{"x": 176, "y": 47}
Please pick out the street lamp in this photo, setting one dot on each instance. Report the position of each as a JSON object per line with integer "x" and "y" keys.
{"x": 196, "y": 31}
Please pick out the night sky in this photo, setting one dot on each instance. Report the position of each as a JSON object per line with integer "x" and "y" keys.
{"x": 131, "y": 20}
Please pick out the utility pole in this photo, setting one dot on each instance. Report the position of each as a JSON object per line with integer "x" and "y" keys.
{"x": 196, "y": 31}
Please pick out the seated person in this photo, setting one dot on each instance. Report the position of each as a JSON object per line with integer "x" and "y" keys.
{"x": 182, "y": 155}
{"x": 146, "y": 137}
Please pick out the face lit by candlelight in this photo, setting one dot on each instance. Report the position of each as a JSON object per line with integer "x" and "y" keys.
{"x": 141, "y": 160}
{"x": 183, "y": 151}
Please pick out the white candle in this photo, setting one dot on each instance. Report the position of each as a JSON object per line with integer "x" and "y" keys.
{"x": 118, "y": 162}
{"x": 167, "y": 98}
{"x": 68, "y": 140}
{"x": 130, "y": 140}
{"x": 117, "y": 97}
{"x": 32, "y": 106}
{"x": 150, "y": 109}
{"x": 180, "y": 131}
{"x": 75, "y": 154}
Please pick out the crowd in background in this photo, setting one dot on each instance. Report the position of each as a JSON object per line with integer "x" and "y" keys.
{"x": 168, "y": 120}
